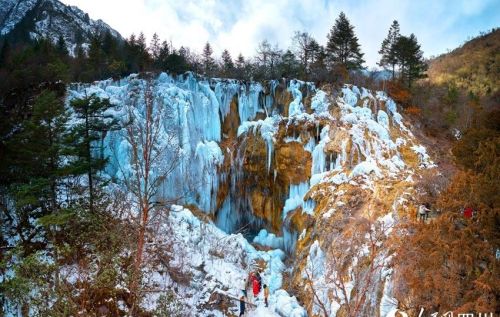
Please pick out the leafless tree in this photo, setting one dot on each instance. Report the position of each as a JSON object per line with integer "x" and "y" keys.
{"x": 354, "y": 263}
{"x": 154, "y": 155}
{"x": 268, "y": 57}
{"x": 311, "y": 274}
{"x": 302, "y": 43}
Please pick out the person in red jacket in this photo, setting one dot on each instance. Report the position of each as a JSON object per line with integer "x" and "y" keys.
{"x": 255, "y": 287}
{"x": 468, "y": 212}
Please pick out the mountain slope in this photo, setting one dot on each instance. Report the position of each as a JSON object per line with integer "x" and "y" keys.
{"x": 22, "y": 20}
{"x": 475, "y": 66}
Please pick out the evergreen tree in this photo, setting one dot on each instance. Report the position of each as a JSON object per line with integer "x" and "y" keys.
{"x": 175, "y": 63}
{"x": 36, "y": 165}
{"x": 132, "y": 54}
{"x": 388, "y": 49}
{"x": 96, "y": 57}
{"x": 132, "y": 41}
{"x": 79, "y": 63}
{"x": 289, "y": 65}
{"x": 142, "y": 52}
{"x": 163, "y": 54}
{"x": 88, "y": 136}
{"x": 164, "y": 50}
{"x": 410, "y": 59}
{"x": 240, "y": 66}
{"x": 227, "y": 64}
{"x": 314, "y": 50}
{"x": 343, "y": 47}
{"x": 110, "y": 45}
{"x": 208, "y": 60}
{"x": 155, "y": 47}
{"x": 318, "y": 66}
{"x": 61, "y": 45}
{"x": 141, "y": 42}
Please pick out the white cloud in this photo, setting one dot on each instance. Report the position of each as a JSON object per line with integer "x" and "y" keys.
{"x": 240, "y": 25}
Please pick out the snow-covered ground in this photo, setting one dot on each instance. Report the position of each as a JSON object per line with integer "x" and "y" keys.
{"x": 214, "y": 262}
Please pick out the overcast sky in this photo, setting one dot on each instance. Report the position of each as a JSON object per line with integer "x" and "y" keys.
{"x": 240, "y": 25}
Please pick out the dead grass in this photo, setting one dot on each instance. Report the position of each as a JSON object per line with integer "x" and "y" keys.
{"x": 409, "y": 156}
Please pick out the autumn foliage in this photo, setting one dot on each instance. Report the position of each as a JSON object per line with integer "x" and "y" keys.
{"x": 413, "y": 111}
{"x": 450, "y": 264}
{"x": 399, "y": 93}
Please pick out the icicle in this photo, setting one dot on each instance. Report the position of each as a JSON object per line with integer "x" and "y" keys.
{"x": 289, "y": 239}
{"x": 295, "y": 107}
{"x": 318, "y": 154}
{"x": 295, "y": 197}
{"x": 308, "y": 206}
{"x": 317, "y": 132}
{"x": 318, "y": 159}
{"x": 269, "y": 154}
{"x": 208, "y": 156}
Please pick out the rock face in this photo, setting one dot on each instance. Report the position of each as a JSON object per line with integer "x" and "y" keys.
{"x": 319, "y": 174}
{"x": 49, "y": 19}
{"x": 293, "y": 162}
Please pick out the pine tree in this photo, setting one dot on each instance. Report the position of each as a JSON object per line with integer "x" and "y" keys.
{"x": 175, "y": 62}
{"x": 208, "y": 60}
{"x": 410, "y": 58}
{"x": 163, "y": 55}
{"x": 132, "y": 40}
{"x": 155, "y": 47}
{"x": 227, "y": 64}
{"x": 110, "y": 45}
{"x": 36, "y": 164}
{"x": 240, "y": 66}
{"x": 319, "y": 70}
{"x": 88, "y": 136}
{"x": 289, "y": 65}
{"x": 61, "y": 45}
{"x": 141, "y": 42}
{"x": 314, "y": 50}
{"x": 343, "y": 47}
{"x": 240, "y": 61}
{"x": 136, "y": 55}
{"x": 96, "y": 57}
{"x": 387, "y": 50}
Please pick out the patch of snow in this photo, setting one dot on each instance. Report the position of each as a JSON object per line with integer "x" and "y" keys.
{"x": 366, "y": 168}
{"x": 319, "y": 102}
{"x": 425, "y": 160}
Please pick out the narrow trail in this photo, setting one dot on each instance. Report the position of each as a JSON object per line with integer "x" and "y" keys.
{"x": 254, "y": 307}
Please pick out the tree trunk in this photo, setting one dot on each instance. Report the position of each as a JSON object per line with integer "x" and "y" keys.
{"x": 89, "y": 162}
{"x": 53, "y": 193}
{"x": 136, "y": 277}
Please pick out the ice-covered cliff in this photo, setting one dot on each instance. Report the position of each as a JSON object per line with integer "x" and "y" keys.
{"x": 288, "y": 165}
